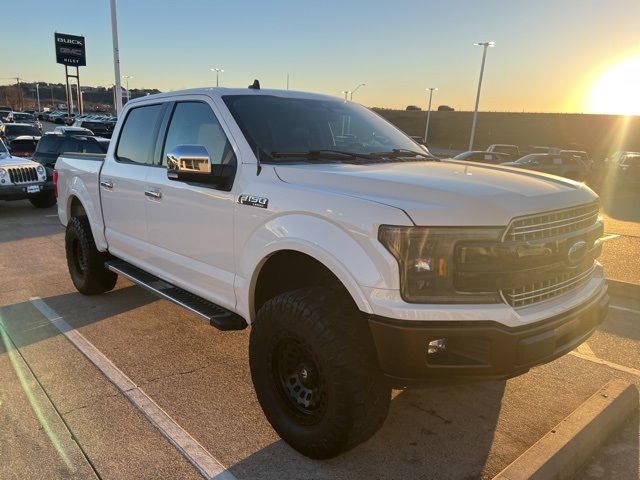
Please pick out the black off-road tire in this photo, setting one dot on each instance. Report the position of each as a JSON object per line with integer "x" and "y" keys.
{"x": 351, "y": 396}
{"x": 43, "y": 200}
{"x": 85, "y": 262}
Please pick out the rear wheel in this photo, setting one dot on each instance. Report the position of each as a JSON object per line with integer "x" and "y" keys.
{"x": 316, "y": 373}
{"x": 85, "y": 262}
{"x": 43, "y": 200}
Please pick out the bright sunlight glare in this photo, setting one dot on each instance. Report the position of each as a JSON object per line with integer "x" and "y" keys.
{"x": 617, "y": 90}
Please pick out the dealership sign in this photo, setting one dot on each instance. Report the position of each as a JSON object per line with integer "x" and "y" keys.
{"x": 70, "y": 50}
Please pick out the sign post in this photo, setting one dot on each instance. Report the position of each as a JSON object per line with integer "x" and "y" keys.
{"x": 70, "y": 52}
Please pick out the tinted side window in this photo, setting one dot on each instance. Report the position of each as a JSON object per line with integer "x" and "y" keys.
{"x": 69, "y": 145}
{"x": 90, "y": 146}
{"x": 49, "y": 144}
{"x": 137, "y": 137}
{"x": 194, "y": 123}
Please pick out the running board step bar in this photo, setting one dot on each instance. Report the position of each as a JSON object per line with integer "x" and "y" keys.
{"x": 217, "y": 316}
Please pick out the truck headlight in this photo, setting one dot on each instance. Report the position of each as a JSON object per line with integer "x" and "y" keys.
{"x": 427, "y": 259}
{"x": 3, "y": 173}
{"x": 40, "y": 170}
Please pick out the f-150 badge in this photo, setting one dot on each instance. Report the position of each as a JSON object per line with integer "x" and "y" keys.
{"x": 253, "y": 200}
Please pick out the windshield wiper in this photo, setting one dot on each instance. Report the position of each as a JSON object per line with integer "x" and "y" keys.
{"x": 321, "y": 155}
{"x": 404, "y": 152}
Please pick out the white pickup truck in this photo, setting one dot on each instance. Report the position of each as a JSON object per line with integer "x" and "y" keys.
{"x": 359, "y": 260}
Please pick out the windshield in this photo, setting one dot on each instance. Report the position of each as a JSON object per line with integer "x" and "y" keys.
{"x": 528, "y": 158}
{"x": 21, "y": 130}
{"x": 21, "y": 117}
{"x": 3, "y": 149}
{"x": 278, "y": 125}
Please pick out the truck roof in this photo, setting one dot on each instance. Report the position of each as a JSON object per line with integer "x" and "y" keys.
{"x": 221, "y": 91}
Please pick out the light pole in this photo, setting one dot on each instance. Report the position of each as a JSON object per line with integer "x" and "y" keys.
{"x": 127, "y": 77}
{"x": 485, "y": 45}
{"x": 354, "y": 91}
{"x": 38, "y": 95}
{"x": 426, "y": 128}
{"x": 218, "y": 72}
{"x": 116, "y": 58}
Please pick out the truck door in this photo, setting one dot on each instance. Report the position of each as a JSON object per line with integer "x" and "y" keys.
{"x": 189, "y": 225}
{"x": 122, "y": 183}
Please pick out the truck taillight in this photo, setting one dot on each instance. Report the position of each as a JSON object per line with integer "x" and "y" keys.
{"x": 55, "y": 183}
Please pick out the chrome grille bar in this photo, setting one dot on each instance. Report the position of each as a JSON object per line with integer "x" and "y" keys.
{"x": 548, "y": 224}
{"x": 544, "y": 290}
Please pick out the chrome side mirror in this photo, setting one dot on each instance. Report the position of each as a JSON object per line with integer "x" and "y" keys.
{"x": 192, "y": 163}
{"x": 188, "y": 159}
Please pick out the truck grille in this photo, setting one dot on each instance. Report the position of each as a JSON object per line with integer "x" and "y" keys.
{"x": 22, "y": 174}
{"x": 551, "y": 224}
{"x": 546, "y": 289}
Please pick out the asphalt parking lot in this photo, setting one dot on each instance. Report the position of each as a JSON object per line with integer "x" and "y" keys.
{"x": 62, "y": 418}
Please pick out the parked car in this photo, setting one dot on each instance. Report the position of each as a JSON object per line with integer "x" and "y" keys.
{"x": 623, "y": 171}
{"x": 100, "y": 128}
{"x": 360, "y": 266}
{"x": 22, "y": 179}
{"x": 51, "y": 146}
{"x": 562, "y": 165}
{"x": 512, "y": 150}
{"x": 483, "y": 157}
{"x": 73, "y": 131}
{"x": 30, "y": 118}
{"x": 9, "y": 131}
{"x": 24, "y": 146}
{"x": 5, "y": 116}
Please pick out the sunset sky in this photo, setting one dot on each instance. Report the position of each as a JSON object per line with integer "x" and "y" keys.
{"x": 550, "y": 55}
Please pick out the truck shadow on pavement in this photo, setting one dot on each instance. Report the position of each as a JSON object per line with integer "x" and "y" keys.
{"x": 442, "y": 431}
{"x": 25, "y": 325}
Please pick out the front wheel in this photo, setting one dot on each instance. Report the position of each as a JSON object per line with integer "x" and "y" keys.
{"x": 85, "y": 262}
{"x": 315, "y": 371}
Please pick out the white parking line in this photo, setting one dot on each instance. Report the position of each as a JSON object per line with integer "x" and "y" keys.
{"x": 188, "y": 447}
{"x": 54, "y": 215}
{"x": 615, "y": 366}
{"x": 625, "y": 309}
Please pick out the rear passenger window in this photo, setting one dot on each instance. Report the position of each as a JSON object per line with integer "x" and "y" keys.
{"x": 49, "y": 144}
{"x": 194, "y": 123}
{"x": 137, "y": 137}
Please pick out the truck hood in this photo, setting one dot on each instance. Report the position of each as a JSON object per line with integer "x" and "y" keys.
{"x": 7, "y": 160}
{"x": 447, "y": 193}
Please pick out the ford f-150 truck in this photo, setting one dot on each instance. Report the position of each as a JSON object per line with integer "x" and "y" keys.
{"x": 360, "y": 261}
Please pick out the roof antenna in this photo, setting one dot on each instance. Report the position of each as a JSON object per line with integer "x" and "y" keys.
{"x": 259, "y": 164}
{"x": 255, "y": 85}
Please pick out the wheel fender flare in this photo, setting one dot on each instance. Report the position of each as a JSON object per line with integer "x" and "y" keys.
{"x": 318, "y": 238}
{"x": 79, "y": 191}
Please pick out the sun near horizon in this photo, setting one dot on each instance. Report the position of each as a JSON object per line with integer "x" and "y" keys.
{"x": 616, "y": 89}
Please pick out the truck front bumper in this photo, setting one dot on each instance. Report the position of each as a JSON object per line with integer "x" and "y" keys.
{"x": 480, "y": 349}
{"x": 19, "y": 192}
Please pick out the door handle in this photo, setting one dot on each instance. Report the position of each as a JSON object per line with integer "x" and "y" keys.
{"x": 153, "y": 194}
{"x": 106, "y": 184}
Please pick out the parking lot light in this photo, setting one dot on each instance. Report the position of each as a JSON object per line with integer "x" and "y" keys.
{"x": 116, "y": 59}
{"x": 127, "y": 77}
{"x": 355, "y": 90}
{"x": 218, "y": 72}
{"x": 426, "y": 128}
{"x": 485, "y": 45}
